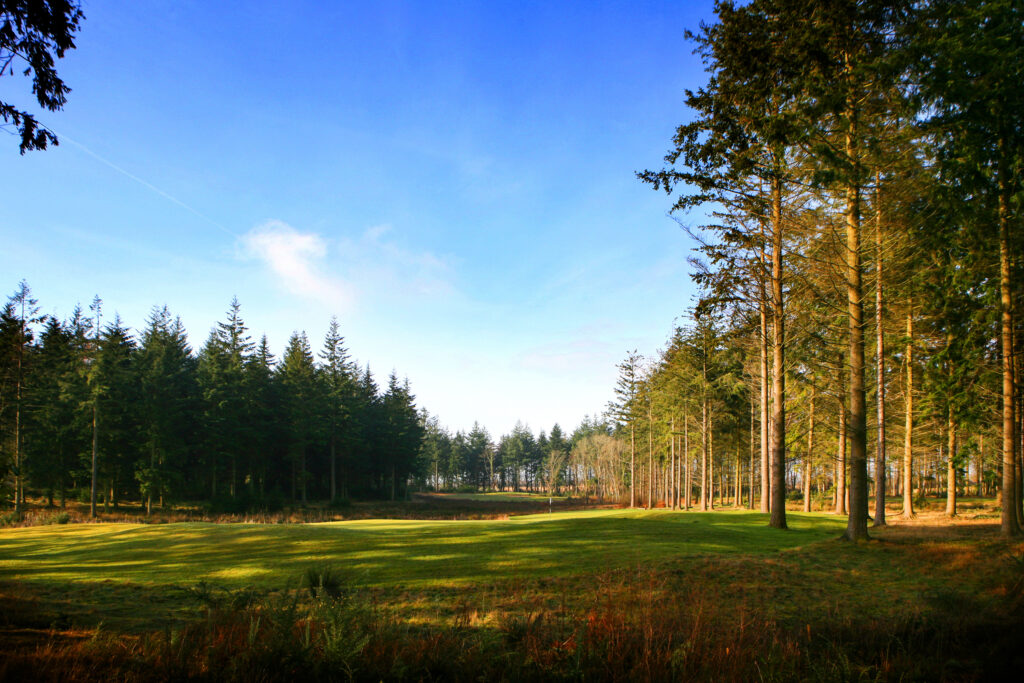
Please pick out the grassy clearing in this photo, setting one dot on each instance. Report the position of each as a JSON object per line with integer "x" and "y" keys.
{"x": 581, "y": 595}
{"x": 414, "y": 554}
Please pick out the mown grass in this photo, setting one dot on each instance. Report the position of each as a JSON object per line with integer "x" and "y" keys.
{"x": 594, "y": 595}
{"x": 415, "y": 554}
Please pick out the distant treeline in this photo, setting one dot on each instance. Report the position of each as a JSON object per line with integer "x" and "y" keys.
{"x": 519, "y": 461}
{"x": 87, "y": 408}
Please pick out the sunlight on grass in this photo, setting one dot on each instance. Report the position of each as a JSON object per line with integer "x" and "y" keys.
{"x": 392, "y": 552}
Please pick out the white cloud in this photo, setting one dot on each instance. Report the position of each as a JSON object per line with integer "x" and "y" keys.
{"x": 346, "y": 272}
{"x": 297, "y": 259}
{"x": 381, "y": 265}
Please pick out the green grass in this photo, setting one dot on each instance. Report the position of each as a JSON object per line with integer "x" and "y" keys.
{"x": 415, "y": 554}
{"x": 495, "y": 497}
{"x": 715, "y": 592}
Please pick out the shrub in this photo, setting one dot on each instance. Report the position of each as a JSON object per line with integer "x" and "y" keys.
{"x": 325, "y": 582}
{"x": 11, "y": 518}
{"x": 58, "y": 518}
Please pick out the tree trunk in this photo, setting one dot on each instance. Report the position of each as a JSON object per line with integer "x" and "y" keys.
{"x": 711, "y": 461}
{"x": 950, "y": 465}
{"x": 92, "y": 486}
{"x": 704, "y": 457}
{"x": 650, "y": 456}
{"x": 632, "y": 465}
{"x": 688, "y": 485}
{"x": 980, "y": 467}
{"x": 908, "y": 431}
{"x": 778, "y": 399}
{"x": 750, "y": 464}
{"x": 765, "y": 471}
{"x": 879, "y": 364}
{"x": 840, "y": 469}
{"x": 810, "y": 451}
{"x": 1009, "y": 525}
{"x": 675, "y": 471}
{"x": 856, "y": 526}
{"x": 19, "y": 478}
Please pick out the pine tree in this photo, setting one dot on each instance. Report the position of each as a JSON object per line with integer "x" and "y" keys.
{"x": 302, "y": 399}
{"x": 227, "y": 405}
{"x": 167, "y": 402}
{"x": 339, "y": 387}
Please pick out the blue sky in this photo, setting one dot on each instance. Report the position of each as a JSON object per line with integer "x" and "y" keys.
{"x": 454, "y": 181}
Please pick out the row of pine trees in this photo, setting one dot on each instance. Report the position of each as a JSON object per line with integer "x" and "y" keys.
{"x": 859, "y": 166}
{"x": 89, "y": 408}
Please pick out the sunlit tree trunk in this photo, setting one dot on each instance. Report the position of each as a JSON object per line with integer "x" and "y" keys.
{"x": 810, "y": 452}
{"x": 751, "y": 468}
{"x": 765, "y": 472}
{"x": 908, "y": 432}
{"x": 856, "y": 527}
{"x": 778, "y": 431}
{"x": 686, "y": 459}
{"x": 632, "y": 466}
{"x": 880, "y": 464}
{"x": 704, "y": 457}
{"x": 950, "y": 465}
{"x": 1009, "y": 525}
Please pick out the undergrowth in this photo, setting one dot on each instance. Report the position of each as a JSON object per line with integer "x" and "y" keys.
{"x": 633, "y": 625}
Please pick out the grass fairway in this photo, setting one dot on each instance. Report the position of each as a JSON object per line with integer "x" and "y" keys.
{"x": 600, "y": 594}
{"x": 387, "y": 553}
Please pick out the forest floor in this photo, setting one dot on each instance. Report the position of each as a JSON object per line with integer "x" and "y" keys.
{"x": 705, "y": 595}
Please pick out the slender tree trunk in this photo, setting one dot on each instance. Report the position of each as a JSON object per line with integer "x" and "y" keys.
{"x": 950, "y": 465}
{"x": 704, "y": 457}
{"x": 19, "y": 478}
{"x": 750, "y": 467}
{"x": 1009, "y": 525}
{"x": 810, "y": 451}
{"x": 840, "y": 468}
{"x": 736, "y": 501}
{"x": 880, "y": 464}
{"x": 95, "y": 441}
{"x": 650, "y": 456}
{"x": 632, "y": 465}
{"x": 856, "y": 527}
{"x": 686, "y": 461}
{"x": 766, "y": 485}
{"x": 675, "y": 473}
{"x": 778, "y": 430}
{"x": 981, "y": 463}
{"x": 908, "y": 430}
{"x": 711, "y": 460}
{"x": 1019, "y": 417}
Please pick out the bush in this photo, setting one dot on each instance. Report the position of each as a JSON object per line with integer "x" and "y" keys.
{"x": 58, "y": 518}
{"x": 326, "y": 583}
{"x": 11, "y": 518}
